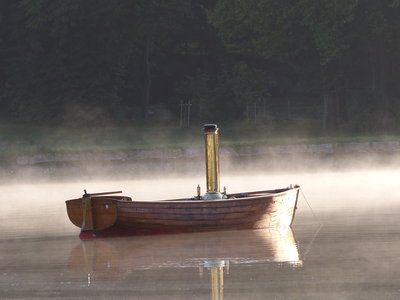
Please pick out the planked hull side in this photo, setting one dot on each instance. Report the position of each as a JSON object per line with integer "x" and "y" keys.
{"x": 270, "y": 210}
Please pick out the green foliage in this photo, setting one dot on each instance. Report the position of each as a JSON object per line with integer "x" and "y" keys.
{"x": 327, "y": 20}
{"x": 269, "y": 27}
{"x": 395, "y": 4}
{"x": 100, "y": 62}
{"x": 194, "y": 88}
{"x": 252, "y": 26}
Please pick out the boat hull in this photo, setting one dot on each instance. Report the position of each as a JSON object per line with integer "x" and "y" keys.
{"x": 254, "y": 210}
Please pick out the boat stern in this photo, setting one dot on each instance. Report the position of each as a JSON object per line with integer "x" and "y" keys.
{"x": 92, "y": 214}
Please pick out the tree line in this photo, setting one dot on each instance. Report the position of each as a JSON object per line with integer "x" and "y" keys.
{"x": 331, "y": 62}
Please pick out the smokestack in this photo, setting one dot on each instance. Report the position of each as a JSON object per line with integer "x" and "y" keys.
{"x": 212, "y": 162}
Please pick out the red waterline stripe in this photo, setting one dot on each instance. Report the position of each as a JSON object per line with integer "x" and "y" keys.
{"x": 87, "y": 235}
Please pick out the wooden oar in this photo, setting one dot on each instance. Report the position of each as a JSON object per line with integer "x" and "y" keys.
{"x": 105, "y": 193}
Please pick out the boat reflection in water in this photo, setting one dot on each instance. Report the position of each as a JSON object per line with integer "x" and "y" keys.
{"x": 210, "y": 252}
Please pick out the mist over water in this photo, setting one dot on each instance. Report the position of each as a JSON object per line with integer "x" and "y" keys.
{"x": 347, "y": 244}
{"x": 38, "y": 208}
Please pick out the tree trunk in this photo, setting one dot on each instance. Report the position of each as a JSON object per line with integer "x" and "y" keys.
{"x": 148, "y": 80}
{"x": 372, "y": 63}
{"x": 379, "y": 79}
{"x": 334, "y": 100}
{"x": 118, "y": 79}
{"x": 331, "y": 107}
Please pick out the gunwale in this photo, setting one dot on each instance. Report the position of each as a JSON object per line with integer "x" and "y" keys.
{"x": 238, "y": 198}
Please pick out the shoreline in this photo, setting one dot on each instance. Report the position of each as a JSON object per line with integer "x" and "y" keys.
{"x": 390, "y": 147}
{"x": 111, "y": 165}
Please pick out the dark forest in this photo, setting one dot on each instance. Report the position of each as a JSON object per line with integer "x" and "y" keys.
{"x": 331, "y": 64}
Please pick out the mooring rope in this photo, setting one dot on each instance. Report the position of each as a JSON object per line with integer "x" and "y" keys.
{"x": 305, "y": 198}
{"x": 309, "y": 246}
{"x": 312, "y": 241}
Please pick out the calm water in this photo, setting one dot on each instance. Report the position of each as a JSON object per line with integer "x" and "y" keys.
{"x": 346, "y": 248}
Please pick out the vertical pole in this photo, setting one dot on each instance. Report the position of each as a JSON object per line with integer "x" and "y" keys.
{"x": 264, "y": 108}
{"x": 184, "y": 115}
{"x": 87, "y": 223}
{"x": 200, "y": 111}
{"x": 212, "y": 157}
{"x": 247, "y": 111}
{"x": 188, "y": 114}
{"x": 255, "y": 112}
{"x": 180, "y": 120}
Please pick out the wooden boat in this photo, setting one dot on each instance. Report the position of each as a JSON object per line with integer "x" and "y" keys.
{"x": 103, "y": 214}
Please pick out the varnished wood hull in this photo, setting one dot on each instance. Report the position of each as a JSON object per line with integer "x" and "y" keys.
{"x": 240, "y": 211}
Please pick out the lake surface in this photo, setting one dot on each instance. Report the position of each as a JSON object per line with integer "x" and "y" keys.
{"x": 346, "y": 247}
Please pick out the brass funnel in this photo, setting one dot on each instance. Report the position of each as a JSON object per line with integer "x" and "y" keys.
{"x": 212, "y": 162}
